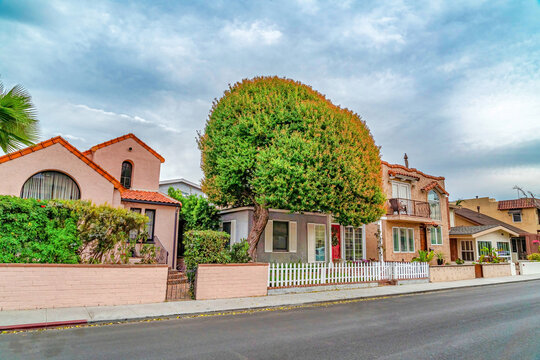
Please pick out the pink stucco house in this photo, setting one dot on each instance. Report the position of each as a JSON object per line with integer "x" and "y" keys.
{"x": 122, "y": 172}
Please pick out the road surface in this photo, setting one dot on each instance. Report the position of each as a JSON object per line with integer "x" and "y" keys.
{"x": 490, "y": 322}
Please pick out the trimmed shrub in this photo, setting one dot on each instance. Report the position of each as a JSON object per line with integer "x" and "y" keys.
{"x": 534, "y": 257}
{"x": 205, "y": 247}
{"x": 34, "y": 231}
{"x": 240, "y": 252}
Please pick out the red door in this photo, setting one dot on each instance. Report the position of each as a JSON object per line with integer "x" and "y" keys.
{"x": 336, "y": 239}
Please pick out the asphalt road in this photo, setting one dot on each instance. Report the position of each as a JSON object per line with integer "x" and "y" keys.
{"x": 490, "y": 322}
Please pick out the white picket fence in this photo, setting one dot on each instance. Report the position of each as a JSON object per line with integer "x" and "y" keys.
{"x": 305, "y": 274}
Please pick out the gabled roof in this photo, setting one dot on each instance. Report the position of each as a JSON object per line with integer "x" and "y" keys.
{"x": 180, "y": 180}
{"x": 122, "y": 138}
{"x": 479, "y": 230}
{"x": 148, "y": 196}
{"x": 70, "y": 148}
{"x": 524, "y": 203}
{"x": 397, "y": 166}
{"x": 481, "y": 219}
{"x": 434, "y": 185}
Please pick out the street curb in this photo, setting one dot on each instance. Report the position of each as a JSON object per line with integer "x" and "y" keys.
{"x": 43, "y": 325}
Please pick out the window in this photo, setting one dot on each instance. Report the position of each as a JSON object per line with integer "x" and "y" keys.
{"x": 436, "y": 235}
{"x": 125, "y": 175}
{"x": 151, "y": 223}
{"x": 516, "y": 216}
{"x": 434, "y": 205}
{"x": 136, "y": 210}
{"x": 227, "y": 228}
{"x": 280, "y": 236}
{"x": 467, "y": 250}
{"x": 503, "y": 249}
{"x": 133, "y": 233}
{"x": 320, "y": 237}
{"x": 403, "y": 239}
{"x": 48, "y": 185}
{"x": 484, "y": 247}
{"x": 353, "y": 244}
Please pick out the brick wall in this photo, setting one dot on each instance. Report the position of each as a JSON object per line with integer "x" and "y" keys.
{"x": 222, "y": 281}
{"x": 496, "y": 270}
{"x": 451, "y": 273}
{"x": 36, "y": 286}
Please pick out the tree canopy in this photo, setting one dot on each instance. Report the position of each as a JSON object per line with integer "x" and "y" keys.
{"x": 276, "y": 143}
{"x": 196, "y": 212}
{"x": 18, "y": 123}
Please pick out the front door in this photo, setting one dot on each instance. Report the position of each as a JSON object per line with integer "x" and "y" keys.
{"x": 423, "y": 238}
{"x": 336, "y": 242}
{"x": 519, "y": 247}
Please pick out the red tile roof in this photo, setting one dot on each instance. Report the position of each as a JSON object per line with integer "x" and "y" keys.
{"x": 396, "y": 166}
{"x": 394, "y": 173}
{"x": 524, "y": 203}
{"x": 122, "y": 138}
{"x": 434, "y": 185}
{"x": 70, "y": 148}
{"x": 148, "y": 196}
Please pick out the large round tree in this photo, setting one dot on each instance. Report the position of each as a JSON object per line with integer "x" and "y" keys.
{"x": 276, "y": 143}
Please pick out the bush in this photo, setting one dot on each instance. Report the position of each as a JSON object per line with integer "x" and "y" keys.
{"x": 460, "y": 261}
{"x": 205, "y": 247}
{"x": 424, "y": 256}
{"x": 240, "y": 252}
{"x": 197, "y": 212}
{"x": 34, "y": 231}
{"x": 534, "y": 257}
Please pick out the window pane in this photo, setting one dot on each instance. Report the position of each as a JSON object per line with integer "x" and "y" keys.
{"x": 482, "y": 245}
{"x": 281, "y": 235}
{"x": 358, "y": 253}
{"x": 396, "y": 239}
{"x": 48, "y": 185}
{"x": 403, "y": 239}
{"x": 320, "y": 248}
{"x": 349, "y": 245}
{"x": 227, "y": 227}
{"x": 411, "y": 240}
{"x": 439, "y": 235}
{"x": 151, "y": 222}
{"x": 467, "y": 252}
{"x": 433, "y": 236}
{"x": 125, "y": 175}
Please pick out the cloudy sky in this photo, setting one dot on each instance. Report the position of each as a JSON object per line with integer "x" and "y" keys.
{"x": 455, "y": 84}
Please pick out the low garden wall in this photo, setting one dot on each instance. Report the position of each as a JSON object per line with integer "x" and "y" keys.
{"x": 496, "y": 270}
{"x": 223, "y": 281}
{"x": 529, "y": 267}
{"x": 37, "y": 286}
{"x": 439, "y": 273}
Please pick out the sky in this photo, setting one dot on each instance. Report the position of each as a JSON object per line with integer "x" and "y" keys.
{"x": 454, "y": 84}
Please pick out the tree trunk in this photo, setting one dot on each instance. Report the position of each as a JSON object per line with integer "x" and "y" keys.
{"x": 260, "y": 218}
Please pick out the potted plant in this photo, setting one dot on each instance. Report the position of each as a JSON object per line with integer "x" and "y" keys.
{"x": 440, "y": 258}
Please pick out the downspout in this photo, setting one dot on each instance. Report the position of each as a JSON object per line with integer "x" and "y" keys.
{"x": 175, "y": 237}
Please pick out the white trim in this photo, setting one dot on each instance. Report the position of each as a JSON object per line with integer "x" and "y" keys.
{"x": 181, "y": 180}
{"x": 399, "y": 239}
{"x": 293, "y": 236}
{"x": 268, "y": 236}
{"x": 233, "y": 232}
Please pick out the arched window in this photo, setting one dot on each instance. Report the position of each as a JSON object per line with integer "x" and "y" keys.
{"x": 49, "y": 185}
{"x": 434, "y": 205}
{"x": 125, "y": 176}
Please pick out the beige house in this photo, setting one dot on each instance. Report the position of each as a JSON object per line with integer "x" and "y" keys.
{"x": 120, "y": 172}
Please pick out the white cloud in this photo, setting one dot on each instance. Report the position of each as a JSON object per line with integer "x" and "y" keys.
{"x": 72, "y": 137}
{"x": 255, "y": 33}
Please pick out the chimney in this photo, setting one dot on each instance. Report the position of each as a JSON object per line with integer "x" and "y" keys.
{"x": 478, "y": 209}
{"x": 406, "y": 158}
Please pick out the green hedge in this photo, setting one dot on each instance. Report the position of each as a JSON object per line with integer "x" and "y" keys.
{"x": 34, "y": 231}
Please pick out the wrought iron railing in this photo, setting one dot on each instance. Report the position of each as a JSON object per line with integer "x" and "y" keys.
{"x": 399, "y": 206}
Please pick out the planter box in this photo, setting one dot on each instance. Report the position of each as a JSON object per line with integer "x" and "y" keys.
{"x": 38, "y": 286}
{"x": 529, "y": 267}
{"x": 223, "y": 281}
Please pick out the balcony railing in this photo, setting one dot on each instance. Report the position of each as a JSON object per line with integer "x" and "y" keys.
{"x": 397, "y": 206}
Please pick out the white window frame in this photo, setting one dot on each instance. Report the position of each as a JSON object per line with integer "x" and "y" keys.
{"x": 407, "y": 231}
{"x": 438, "y": 241}
{"x": 514, "y": 213}
{"x": 400, "y": 183}
{"x": 292, "y": 240}
{"x": 325, "y": 242}
{"x": 344, "y": 242}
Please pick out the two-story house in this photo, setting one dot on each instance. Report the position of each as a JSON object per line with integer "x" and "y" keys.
{"x": 122, "y": 172}
{"x": 417, "y": 218}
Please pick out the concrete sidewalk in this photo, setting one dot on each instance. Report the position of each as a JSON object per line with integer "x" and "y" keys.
{"x": 139, "y": 311}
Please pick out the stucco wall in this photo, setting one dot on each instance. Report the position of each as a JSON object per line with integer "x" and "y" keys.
{"x": 92, "y": 185}
{"x": 451, "y": 273}
{"x": 223, "y": 281}
{"x": 146, "y": 167}
{"x": 165, "y": 222}
{"x": 37, "y": 286}
{"x": 529, "y": 267}
{"x": 496, "y": 270}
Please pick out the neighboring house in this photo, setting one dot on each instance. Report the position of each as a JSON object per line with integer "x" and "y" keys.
{"x": 470, "y": 242}
{"x": 523, "y": 213}
{"x": 122, "y": 172}
{"x": 417, "y": 218}
{"x": 185, "y": 186}
{"x": 520, "y": 241}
